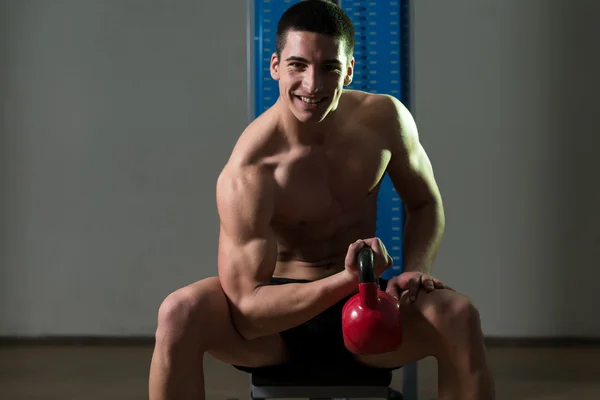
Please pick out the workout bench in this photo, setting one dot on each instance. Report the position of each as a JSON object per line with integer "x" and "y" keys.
{"x": 328, "y": 384}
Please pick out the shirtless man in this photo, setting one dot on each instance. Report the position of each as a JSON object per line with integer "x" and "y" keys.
{"x": 296, "y": 201}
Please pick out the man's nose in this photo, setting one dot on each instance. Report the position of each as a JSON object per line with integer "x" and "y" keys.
{"x": 312, "y": 81}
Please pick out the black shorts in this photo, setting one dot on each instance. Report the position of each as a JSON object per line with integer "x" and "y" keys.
{"x": 317, "y": 341}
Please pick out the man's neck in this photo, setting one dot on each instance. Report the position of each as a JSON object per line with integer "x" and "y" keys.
{"x": 305, "y": 133}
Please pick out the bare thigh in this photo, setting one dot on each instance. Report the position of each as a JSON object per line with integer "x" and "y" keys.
{"x": 209, "y": 317}
{"x": 419, "y": 331}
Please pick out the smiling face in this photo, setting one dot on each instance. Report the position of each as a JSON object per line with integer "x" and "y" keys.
{"x": 312, "y": 72}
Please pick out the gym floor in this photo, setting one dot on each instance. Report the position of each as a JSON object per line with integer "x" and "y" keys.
{"x": 95, "y": 372}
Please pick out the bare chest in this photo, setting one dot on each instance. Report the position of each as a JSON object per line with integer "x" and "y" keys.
{"x": 320, "y": 184}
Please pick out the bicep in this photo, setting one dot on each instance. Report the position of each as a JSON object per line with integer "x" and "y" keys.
{"x": 247, "y": 246}
{"x": 245, "y": 265}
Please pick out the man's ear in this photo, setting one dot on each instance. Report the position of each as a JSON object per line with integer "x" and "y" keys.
{"x": 349, "y": 72}
{"x": 275, "y": 66}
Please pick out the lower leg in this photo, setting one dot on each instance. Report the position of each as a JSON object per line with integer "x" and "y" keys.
{"x": 186, "y": 381}
{"x": 465, "y": 376}
{"x": 176, "y": 370}
{"x": 463, "y": 368}
{"x": 447, "y": 380}
{"x": 474, "y": 373}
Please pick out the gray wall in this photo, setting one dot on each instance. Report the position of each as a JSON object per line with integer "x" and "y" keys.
{"x": 117, "y": 117}
{"x": 506, "y": 102}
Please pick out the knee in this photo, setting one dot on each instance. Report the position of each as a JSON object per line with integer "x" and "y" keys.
{"x": 459, "y": 320}
{"x": 182, "y": 313}
{"x": 451, "y": 315}
{"x": 175, "y": 312}
{"x": 464, "y": 315}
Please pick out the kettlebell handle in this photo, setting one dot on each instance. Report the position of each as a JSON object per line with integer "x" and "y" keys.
{"x": 366, "y": 265}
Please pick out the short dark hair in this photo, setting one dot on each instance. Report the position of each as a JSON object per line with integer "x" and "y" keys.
{"x": 317, "y": 16}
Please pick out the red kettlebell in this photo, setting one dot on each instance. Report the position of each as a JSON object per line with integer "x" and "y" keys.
{"x": 371, "y": 318}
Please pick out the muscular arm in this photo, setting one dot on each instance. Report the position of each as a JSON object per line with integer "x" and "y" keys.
{"x": 247, "y": 257}
{"x": 412, "y": 175}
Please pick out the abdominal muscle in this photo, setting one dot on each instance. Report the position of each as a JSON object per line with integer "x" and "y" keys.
{"x": 316, "y": 251}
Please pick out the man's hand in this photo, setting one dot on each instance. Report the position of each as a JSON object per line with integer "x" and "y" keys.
{"x": 413, "y": 281}
{"x": 381, "y": 257}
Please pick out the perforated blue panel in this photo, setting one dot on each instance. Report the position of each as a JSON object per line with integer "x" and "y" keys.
{"x": 380, "y": 67}
{"x": 266, "y": 16}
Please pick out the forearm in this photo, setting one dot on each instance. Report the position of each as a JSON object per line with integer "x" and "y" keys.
{"x": 423, "y": 233}
{"x": 275, "y": 308}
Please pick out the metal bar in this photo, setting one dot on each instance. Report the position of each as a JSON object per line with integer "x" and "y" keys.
{"x": 328, "y": 392}
{"x": 410, "y": 381}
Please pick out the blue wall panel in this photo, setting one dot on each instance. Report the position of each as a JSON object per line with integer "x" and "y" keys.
{"x": 381, "y": 66}
{"x": 266, "y": 16}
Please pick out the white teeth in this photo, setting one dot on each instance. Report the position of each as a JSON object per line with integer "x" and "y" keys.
{"x": 310, "y": 101}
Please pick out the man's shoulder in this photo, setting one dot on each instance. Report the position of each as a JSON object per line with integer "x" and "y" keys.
{"x": 244, "y": 190}
{"x": 378, "y": 107}
{"x": 248, "y": 170}
{"x": 243, "y": 176}
{"x": 369, "y": 99}
{"x": 255, "y": 144}
{"x": 379, "y": 112}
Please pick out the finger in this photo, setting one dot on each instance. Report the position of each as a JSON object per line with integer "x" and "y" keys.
{"x": 427, "y": 283}
{"x": 376, "y": 244}
{"x": 383, "y": 259}
{"x": 413, "y": 287}
{"x": 370, "y": 241}
{"x": 393, "y": 289}
{"x": 438, "y": 284}
{"x": 353, "y": 249}
{"x": 403, "y": 281}
{"x": 390, "y": 261}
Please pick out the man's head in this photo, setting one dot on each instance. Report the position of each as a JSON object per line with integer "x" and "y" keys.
{"x": 313, "y": 58}
{"x": 317, "y": 16}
